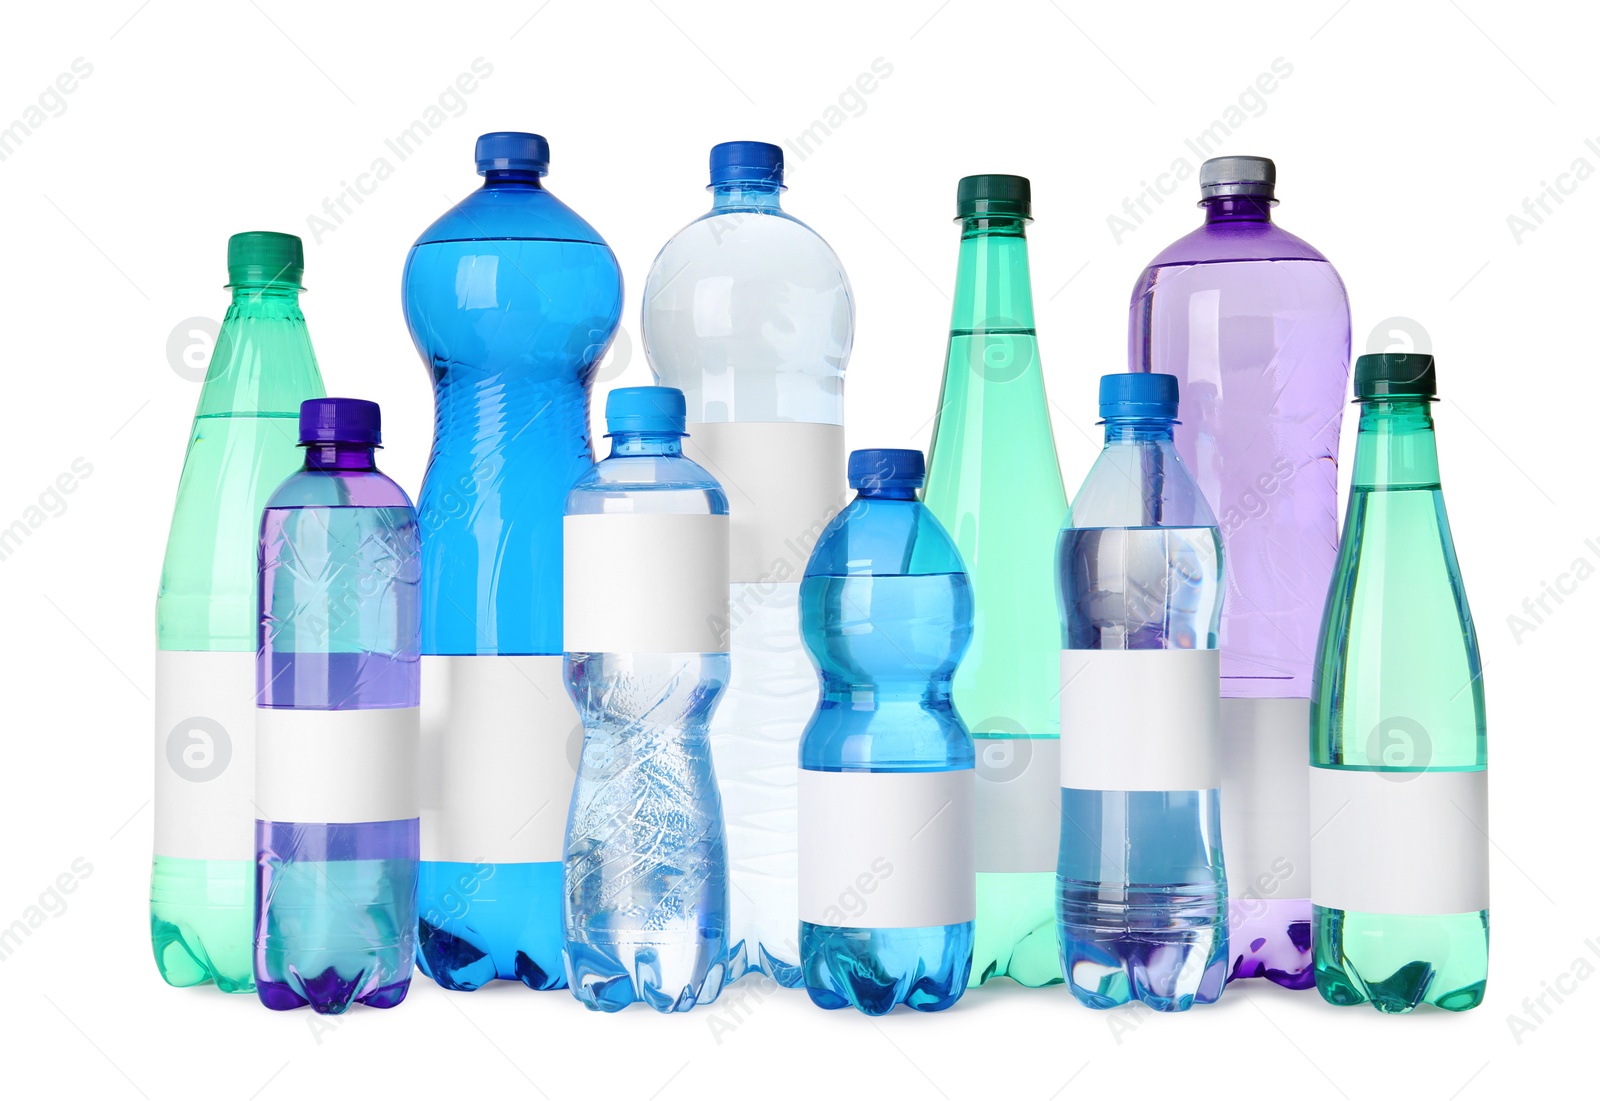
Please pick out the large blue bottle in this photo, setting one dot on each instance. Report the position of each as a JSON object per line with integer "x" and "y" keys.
{"x": 888, "y": 886}
{"x": 512, "y": 299}
{"x": 646, "y": 875}
{"x": 1142, "y": 896}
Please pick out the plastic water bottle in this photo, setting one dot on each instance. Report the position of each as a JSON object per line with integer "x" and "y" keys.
{"x": 1143, "y": 894}
{"x": 749, "y": 313}
{"x": 994, "y": 483}
{"x": 242, "y": 446}
{"x": 1399, "y": 786}
{"x": 1255, "y": 324}
{"x": 338, "y": 724}
{"x": 646, "y": 874}
{"x": 887, "y": 886}
{"x": 512, "y": 300}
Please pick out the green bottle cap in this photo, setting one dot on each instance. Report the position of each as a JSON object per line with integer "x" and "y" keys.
{"x": 1395, "y": 374}
{"x": 265, "y": 257}
{"x": 995, "y": 194}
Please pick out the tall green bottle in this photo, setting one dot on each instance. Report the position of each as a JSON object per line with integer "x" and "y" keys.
{"x": 244, "y": 442}
{"x": 1399, "y": 789}
{"x": 995, "y": 485}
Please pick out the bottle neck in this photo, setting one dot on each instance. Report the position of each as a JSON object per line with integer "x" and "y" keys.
{"x": 871, "y": 492}
{"x": 993, "y": 290}
{"x": 1237, "y": 208}
{"x": 645, "y": 443}
{"x": 1395, "y": 447}
{"x": 340, "y": 456}
{"x": 745, "y": 195}
{"x": 266, "y": 297}
{"x": 1138, "y": 430}
{"x": 511, "y": 179}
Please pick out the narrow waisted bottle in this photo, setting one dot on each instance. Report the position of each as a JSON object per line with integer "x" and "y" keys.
{"x": 1142, "y": 888}
{"x": 887, "y": 847}
{"x": 1255, "y": 324}
{"x": 1399, "y": 783}
{"x": 242, "y": 446}
{"x": 749, "y": 312}
{"x": 512, "y": 299}
{"x": 995, "y": 485}
{"x": 338, "y": 725}
{"x": 645, "y": 878}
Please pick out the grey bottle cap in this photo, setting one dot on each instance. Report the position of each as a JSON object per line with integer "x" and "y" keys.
{"x": 1254, "y": 177}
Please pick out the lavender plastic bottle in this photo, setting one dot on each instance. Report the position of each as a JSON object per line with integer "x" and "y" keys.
{"x": 1255, "y": 324}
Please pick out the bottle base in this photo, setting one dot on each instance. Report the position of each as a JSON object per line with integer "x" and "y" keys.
{"x": 201, "y": 922}
{"x": 1271, "y": 939}
{"x": 1396, "y": 962}
{"x": 480, "y": 923}
{"x": 875, "y": 970}
{"x": 329, "y": 993}
{"x": 1014, "y": 936}
{"x": 601, "y": 981}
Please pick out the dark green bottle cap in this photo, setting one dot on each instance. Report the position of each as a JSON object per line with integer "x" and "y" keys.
{"x": 1009, "y": 196}
{"x": 1395, "y": 375}
{"x": 265, "y": 257}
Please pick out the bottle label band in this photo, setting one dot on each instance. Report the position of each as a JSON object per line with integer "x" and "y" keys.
{"x": 1393, "y": 842}
{"x": 784, "y": 481}
{"x": 1265, "y": 798}
{"x": 887, "y": 850}
{"x": 645, "y": 583}
{"x": 205, "y": 754}
{"x": 337, "y": 766}
{"x": 1018, "y": 803}
{"x": 500, "y": 747}
{"x": 1140, "y": 720}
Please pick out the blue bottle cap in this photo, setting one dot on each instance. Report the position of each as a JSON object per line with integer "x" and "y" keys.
{"x": 1139, "y": 394}
{"x": 645, "y": 409}
{"x": 881, "y": 467}
{"x": 753, "y": 161}
{"x": 340, "y": 420}
{"x": 513, "y": 151}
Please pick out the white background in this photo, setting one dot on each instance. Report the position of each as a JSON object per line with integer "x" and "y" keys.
{"x": 1404, "y": 137}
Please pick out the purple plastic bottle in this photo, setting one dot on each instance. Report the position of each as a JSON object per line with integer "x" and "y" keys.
{"x": 337, "y": 724}
{"x": 1255, "y": 324}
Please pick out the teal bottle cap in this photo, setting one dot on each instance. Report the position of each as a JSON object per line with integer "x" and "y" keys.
{"x": 1006, "y": 196}
{"x": 1395, "y": 375}
{"x": 265, "y": 257}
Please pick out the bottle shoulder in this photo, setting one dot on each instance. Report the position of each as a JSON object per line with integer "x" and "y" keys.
{"x": 647, "y": 484}
{"x": 1143, "y": 484}
{"x": 884, "y": 538}
{"x": 510, "y": 214}
{"x": 725, "y": 241}
{"x": 1221, "y": 242}
{"x": 339, "y": 489}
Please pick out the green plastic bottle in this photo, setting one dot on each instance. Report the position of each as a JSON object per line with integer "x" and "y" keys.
{"x": 995, "y": 485}
{"x": 244, "y": 442}
{"x": 1399, "y": 789}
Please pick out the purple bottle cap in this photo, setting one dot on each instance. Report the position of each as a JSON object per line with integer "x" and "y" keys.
{"x": 340, "y": 420}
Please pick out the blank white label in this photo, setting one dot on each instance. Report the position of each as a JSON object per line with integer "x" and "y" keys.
{"x": 1139, "y": 720}
{"x": 337, "y": 766}
{"x": 645, "y": 583}
{"x": 1018, "y": 803}
{"x": 784, "y": 481}
{"x": 1400, "y": 842}
{"x": 500, "y": 746}
{"x": 205, "y": 755}
{"x": 887, "y": 850}
{"x": 1265, "y": 797}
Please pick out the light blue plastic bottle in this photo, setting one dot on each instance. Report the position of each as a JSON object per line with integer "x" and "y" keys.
{"x": 1141, "y": 890}
{"x": 645, "y": 904}
{"x": 888, "y": 880}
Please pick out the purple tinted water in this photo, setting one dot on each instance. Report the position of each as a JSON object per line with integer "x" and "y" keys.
{"x": 1255, "y": 324}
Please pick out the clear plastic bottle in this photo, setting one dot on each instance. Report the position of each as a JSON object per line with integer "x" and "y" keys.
{"x": 338, "y": 724}
{"x": 749, "y": 313}
{"x": 1255, "y": 324}
{"x": 512, "y": 300}
{"x": 646, "y": 621}
{"x": 1142, "y": 904}
{"x": 242, "y": 446}
{"x": 887, "y": 880}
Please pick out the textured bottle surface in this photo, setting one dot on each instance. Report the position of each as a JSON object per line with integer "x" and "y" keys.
{"x": 1255, "y": 324}
{"x": 512, "y": 299}
{"x": 243, "y": 444}
{"x": 1399, "y": 742}
{"x": 749, "y": 312}
{"x": 995, "y": 485}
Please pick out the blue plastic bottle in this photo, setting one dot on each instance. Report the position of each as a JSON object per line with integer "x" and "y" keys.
{"x": 1141, "y": 891}
{"x": 337, "y": 724}
{"x": 888, "y": 886}
{"x": 646, "y": 873}
{"x": 512, "y": 299}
